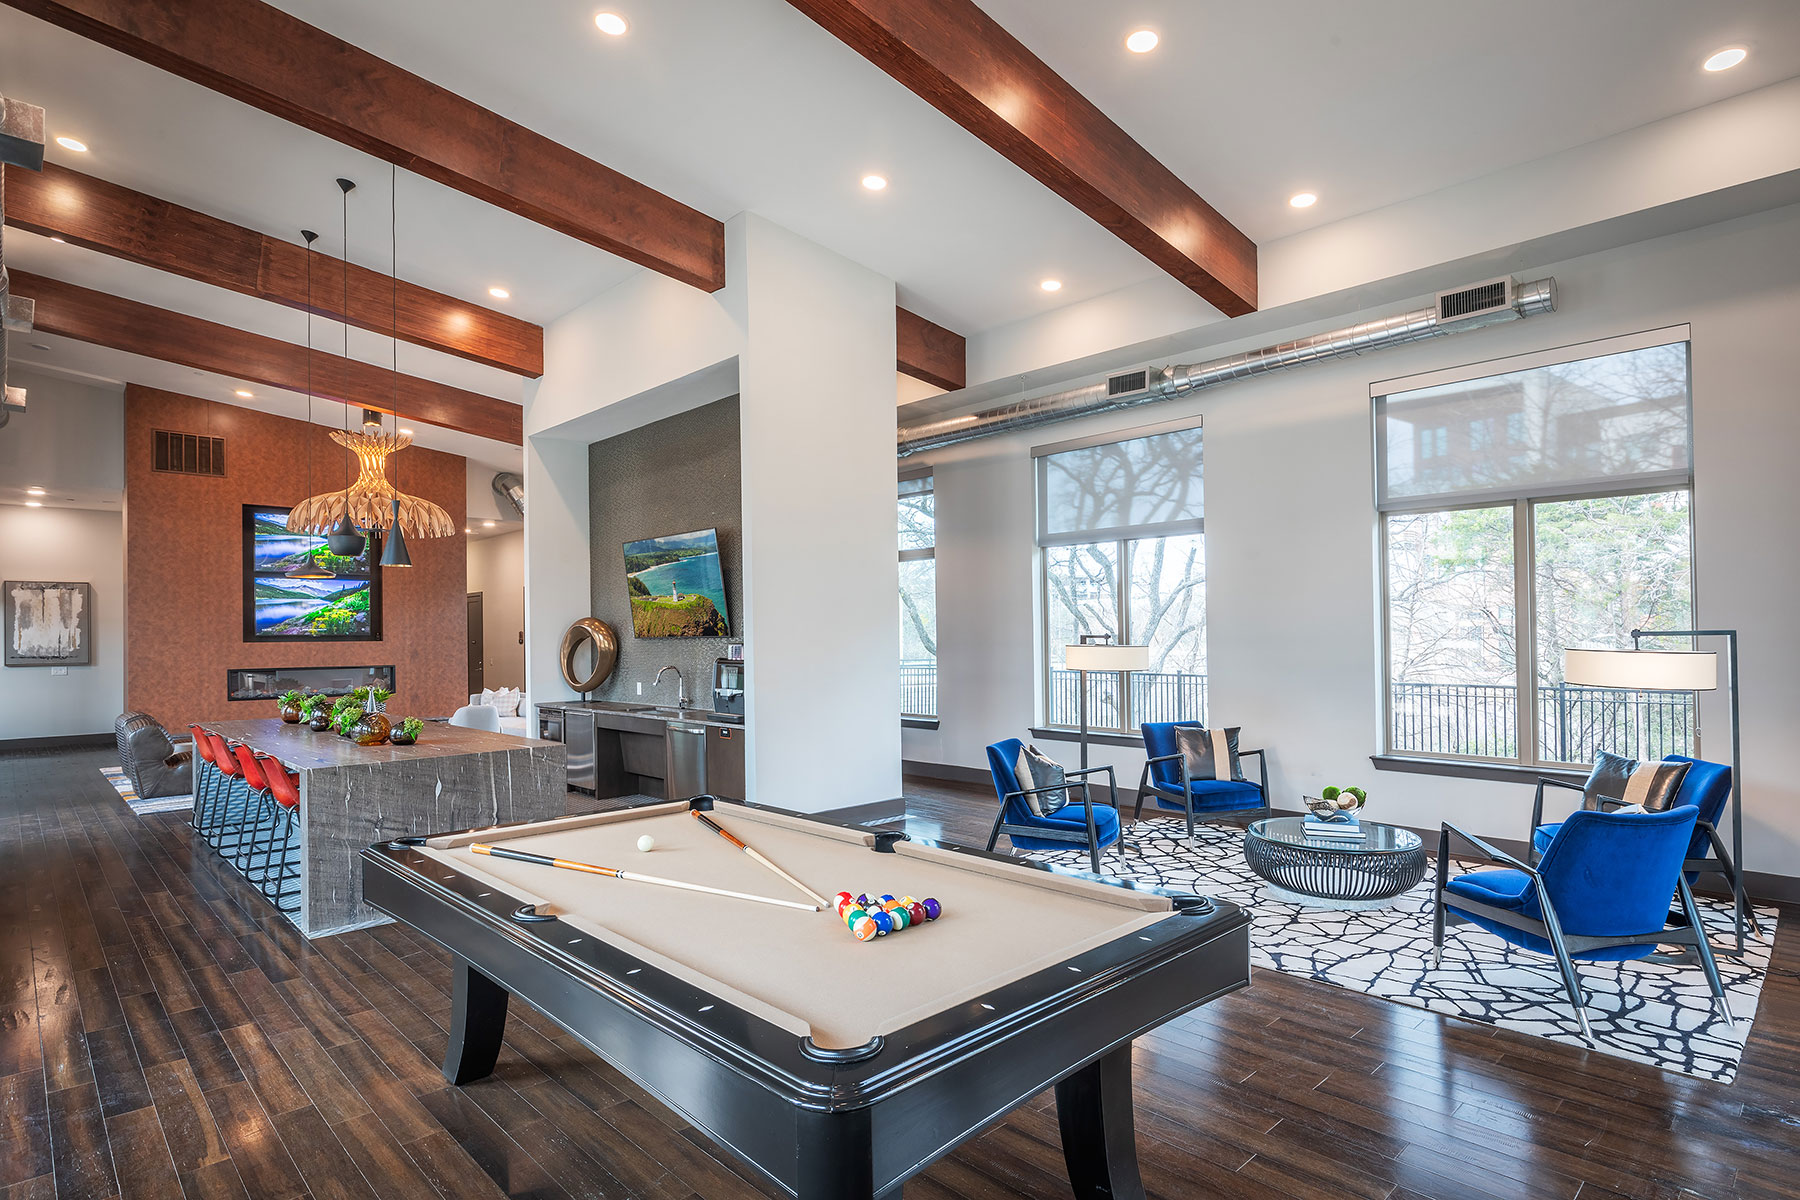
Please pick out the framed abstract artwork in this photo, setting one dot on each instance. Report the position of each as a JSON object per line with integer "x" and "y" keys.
{"x": 47, "y": 624}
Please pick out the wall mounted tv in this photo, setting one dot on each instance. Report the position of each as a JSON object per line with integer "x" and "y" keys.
{"x": 677, "y": 586}
{"x": 344, "y": 608}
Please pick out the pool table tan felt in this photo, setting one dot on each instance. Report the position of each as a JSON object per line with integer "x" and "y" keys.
{"x": 804, "y": 971}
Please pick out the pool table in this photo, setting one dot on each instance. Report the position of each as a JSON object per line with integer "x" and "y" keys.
{"x": 837, "y": 1068}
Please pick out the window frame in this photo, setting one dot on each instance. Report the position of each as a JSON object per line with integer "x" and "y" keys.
{"x": 1523, "y": 502}
{"x": 916, "y": 555}
{"x": 1123, "y": 539}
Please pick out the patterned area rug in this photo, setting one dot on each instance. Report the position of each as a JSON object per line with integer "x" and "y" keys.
{"x": 1649, "y": 1012}
{"x": 138, "y": 804}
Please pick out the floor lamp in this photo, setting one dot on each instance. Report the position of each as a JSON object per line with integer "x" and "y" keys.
{"x": 1096, "y": 652}
{"x": 1638, "y": 669}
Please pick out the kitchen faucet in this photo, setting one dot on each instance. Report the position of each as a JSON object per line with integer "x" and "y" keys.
{"x": 681, "y": 696}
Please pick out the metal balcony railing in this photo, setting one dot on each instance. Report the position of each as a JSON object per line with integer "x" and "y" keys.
{"x": 1574, "y": 723}
{"x": 918, "y": 688}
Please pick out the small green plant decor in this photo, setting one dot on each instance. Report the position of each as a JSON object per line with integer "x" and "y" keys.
{"x": 407, "y": 732}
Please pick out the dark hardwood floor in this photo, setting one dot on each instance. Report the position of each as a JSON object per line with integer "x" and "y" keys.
{"x": 164, "y": 1034}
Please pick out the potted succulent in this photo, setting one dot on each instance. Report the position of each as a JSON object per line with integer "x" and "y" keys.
{"x": 317, "y": 710}
{"x": 407, "y": 732}
{"x": 344, "y": 714}
{"x": 289, "y": 706}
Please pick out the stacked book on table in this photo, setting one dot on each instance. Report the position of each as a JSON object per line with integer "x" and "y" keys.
{"x": 1344, "y": 829}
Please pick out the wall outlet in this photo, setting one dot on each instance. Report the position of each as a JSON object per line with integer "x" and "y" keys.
{"x": 640, "y": 687}
{"x": 59, "y": 670}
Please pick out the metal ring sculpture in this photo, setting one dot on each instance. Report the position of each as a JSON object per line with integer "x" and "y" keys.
{"x": 606, "y": 653}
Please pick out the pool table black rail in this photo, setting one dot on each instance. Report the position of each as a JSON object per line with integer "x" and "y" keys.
{"x": 752, "y": 1085}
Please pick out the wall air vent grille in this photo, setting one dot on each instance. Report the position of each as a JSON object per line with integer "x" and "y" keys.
{"x": 187, "y": 453}
{"x": 1124, "y": 385}
{"x": 1477, "y": 300}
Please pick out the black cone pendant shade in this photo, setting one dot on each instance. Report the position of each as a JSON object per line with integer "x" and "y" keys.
{"x": 394, "y": 554}
{"x": 344, "y": 539}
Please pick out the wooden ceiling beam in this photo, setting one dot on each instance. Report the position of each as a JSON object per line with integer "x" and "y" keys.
{"x": 930, "y": 352}
{"x": 959, "y": 59}
{"x": 85, "y": 315}
{"x": 116, "y": 220}
{"x": 255, "y": 53}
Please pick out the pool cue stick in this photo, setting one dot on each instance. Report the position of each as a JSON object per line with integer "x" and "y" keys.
{"x": 544, "y": 860}
{"x": 754, "y": 853}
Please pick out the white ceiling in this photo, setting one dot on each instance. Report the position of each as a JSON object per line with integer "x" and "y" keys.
{"x": 1377, "y": 101}
{"x": 746, "y": 105}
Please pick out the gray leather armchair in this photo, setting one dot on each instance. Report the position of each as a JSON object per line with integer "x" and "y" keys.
{"x": 150, "y": 760}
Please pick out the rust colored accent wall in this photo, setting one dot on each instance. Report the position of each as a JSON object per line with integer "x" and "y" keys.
{"x": 184, "y": 564}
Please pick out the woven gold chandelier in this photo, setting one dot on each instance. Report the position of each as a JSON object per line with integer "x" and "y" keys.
{"x": 370, "y": 501}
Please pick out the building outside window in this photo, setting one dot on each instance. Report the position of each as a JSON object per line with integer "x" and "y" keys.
{"x": 1570, "y": 529}
{"x": 918, "y": 596}
{"x": 1121, "y": 537}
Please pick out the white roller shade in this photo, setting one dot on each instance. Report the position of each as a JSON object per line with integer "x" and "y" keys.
{"x": 1147, "y": 486}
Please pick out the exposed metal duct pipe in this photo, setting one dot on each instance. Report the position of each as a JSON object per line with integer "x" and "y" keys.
{"x": 1487, "y": 303}
{"x": 510, "y": 489}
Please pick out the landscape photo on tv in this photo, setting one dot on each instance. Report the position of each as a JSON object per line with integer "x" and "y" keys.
{"x": 278, "y": 608}
{"x": 677, "y": 586}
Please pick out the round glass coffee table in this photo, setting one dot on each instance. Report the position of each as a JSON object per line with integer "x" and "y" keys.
{"x": 1334, "y": 872}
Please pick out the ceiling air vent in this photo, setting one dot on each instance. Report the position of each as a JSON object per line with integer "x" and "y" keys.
{"x": 1478, "y": 304}
{"x": 1126, "y": 384}
{"x": 187, "y": 453}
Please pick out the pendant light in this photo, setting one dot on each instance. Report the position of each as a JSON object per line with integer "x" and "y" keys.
{"x": 344, "y": 539}
{"x": 394, "y": 554}
{"x": 309, "y": 568}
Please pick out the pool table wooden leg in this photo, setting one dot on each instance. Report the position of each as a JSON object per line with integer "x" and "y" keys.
{"x": 477, "y": 1023}
{"x": 836, "y": 1157}
{"x": 1099, "y": 1138}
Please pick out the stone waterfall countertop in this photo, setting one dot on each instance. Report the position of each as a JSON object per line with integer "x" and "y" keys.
{"x": 301, "y": 749}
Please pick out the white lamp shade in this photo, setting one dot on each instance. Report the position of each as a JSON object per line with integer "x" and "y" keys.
{"x": 1646, "y": 670}
{"x": 1102, "y": 656}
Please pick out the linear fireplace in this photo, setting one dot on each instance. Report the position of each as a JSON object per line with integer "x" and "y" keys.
{"x": 269, "y": 683}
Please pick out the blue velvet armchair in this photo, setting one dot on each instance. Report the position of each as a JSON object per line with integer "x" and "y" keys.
{"x": 1165, "y": 777}
{"x": 1096, "y": 825}
{"x": 1706, "y": 786}
{"x": 1600, "y": 892}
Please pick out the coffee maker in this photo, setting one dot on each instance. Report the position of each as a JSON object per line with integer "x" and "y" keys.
{"x": 728, "y": 685}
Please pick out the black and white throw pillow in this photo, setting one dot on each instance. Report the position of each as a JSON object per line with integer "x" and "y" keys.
{"x": 1650, "y": 786}
{"x": 1035, "y": 769}
{"x": 1209, "y": 753}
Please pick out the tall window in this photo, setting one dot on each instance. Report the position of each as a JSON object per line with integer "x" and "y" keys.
{"x": 1525, "y": 512}
{"x": 1121, "y": 532}
{"x": 918, "y": 597}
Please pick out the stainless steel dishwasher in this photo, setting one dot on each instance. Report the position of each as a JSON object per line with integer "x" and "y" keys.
{"x": 687, "y": 760}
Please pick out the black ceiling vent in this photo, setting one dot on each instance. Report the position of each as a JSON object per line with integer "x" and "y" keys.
{"x": 1124, "y": 385}
{"x": 187, "y": 453}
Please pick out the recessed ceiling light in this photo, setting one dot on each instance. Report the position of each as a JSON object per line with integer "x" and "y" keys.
{"x": 34, "y": 491}
{"x": 1051, "y": 285}
{"x": 75, "y": 144}
{"x": 1724, "y": 60}
{"x": 407, "y": 432}
{"x": 34, "y": 504}
{"x": 610, "y": 23}
{"x": 488, "y": 524}
{"x": 1302, "y": 200}
{"x": 244, "y": 395}
{"x": 499, "y": 293}
{"x": 58, "y": 239}
{"x": 40, "y": 345}
{"x": 874, "y": 182}
{"x": 1142, "y": 42}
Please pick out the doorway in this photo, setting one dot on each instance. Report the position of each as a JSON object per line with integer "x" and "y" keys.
{"x": 477, "y": 646}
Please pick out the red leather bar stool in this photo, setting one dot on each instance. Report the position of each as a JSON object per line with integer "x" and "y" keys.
{"x": 205, "y": 774}
{"x": 224, "y": 828}
{"x": 281, "y": 864}
{"x": 259, "y": 817}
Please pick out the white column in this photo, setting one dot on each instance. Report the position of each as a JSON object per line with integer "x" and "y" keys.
{"x": 821, "y": 576}
{"x": 556, "y": 556}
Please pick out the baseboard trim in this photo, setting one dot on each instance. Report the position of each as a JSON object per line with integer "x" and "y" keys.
{"x": 73, "y": 741}
{"x": 948, "y": 771}
{"x": 865, "y": 814}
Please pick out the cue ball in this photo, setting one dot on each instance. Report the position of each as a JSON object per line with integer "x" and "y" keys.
{"x": 645, "y": 842}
